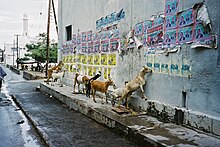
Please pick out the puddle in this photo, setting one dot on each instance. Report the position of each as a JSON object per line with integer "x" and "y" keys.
{"x": 25, "y": 125}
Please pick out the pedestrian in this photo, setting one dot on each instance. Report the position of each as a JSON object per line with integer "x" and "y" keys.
{"x": 2, "y": 75}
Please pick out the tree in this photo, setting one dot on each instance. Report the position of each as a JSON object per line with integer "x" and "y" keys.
{"x": 37, "y": 50}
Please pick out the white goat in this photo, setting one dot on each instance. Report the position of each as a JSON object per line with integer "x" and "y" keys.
{"x": 58, "y": 76}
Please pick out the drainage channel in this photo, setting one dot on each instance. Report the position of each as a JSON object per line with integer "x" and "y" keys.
{"x": 25, "y": 124}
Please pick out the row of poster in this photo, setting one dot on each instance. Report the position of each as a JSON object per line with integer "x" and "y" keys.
{"x": 174, "y": 67}
{"x": 175, "y": 29}
{"x": 96, "y": 59}
{"x": 89, "y": 70}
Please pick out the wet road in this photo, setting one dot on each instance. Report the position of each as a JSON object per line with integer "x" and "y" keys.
{"x": 60, "y": 125}
{"x": 15, "y": 129}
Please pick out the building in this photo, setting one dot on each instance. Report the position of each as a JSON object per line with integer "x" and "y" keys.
{"x": 11, "y": 49}
{"x": 118, "y": 37}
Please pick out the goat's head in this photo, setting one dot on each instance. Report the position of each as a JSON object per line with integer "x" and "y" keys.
{"x": 111, "y": 83}
{"x": 146, "y": 70}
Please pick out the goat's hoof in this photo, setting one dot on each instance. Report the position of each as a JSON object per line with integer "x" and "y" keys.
{"x": 94, "y": 101}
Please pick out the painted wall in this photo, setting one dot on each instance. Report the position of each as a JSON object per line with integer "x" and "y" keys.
{"x": 200, "y": 83}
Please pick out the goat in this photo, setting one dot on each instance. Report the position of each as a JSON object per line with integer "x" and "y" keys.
{"x": 88, "y": 86}
{"x": 134, "y": 85}
{"x": 50, "y": 71}
{"x": 117, "y": 93}
{"x": 101, "y": 87}
{"x": 58, "y": 76}
{"x": 80, "y": 79}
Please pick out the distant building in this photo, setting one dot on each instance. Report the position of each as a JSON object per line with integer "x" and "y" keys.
{"x": 11, "y": 49}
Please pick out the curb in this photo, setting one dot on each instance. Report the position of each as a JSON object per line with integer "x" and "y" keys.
{"x": 103, "y": 117}
{"x": 40, "y": 132}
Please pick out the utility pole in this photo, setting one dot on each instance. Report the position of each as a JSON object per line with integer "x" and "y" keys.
{"x": 17, "y": 49}
{"x": 48, "y": 39}
{"x": 55, "y": 18}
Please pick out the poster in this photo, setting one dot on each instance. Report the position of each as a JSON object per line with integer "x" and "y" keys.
{"x": 79, "y": 68}
{"x": 90, "y": 70}
{"x": 149, "y": 61}
{"x": 155, "y": 31}
{"x": 109, "y": 72}
{"x": 83, "y": 35}
{"x": 174, "y": 68}
{"x": 156, "y": 64}
{"x": 84, "y": 48}
{"x": 105, "y": 73}
{"x": 104, "y": 59}
{"x": 89, "y": 36}
{"x": 201, "y": 33}
{"x": 185, "y": 18}
{"x": 95, "y": 70}
{"x": 74, "y": 40}
{"x": 90, "y": 47}
{"x": 170, "y": 37}
{"x": 185, "y": 68}
{"x": 171, "y": 7}
{"x": 105, "y": 46}
{"x": 85, "y": 70}
{"x": 114, "y": 43}
{"x": 96, "y": 48}
{"x": 171, "y": 22}
{"x": 78, "y": 39}
{"x": 90, "y": 59}
{"x": 84, "y": 59}
{"x": 185, "y": 35}
{"x": 112, "y": 59}
{"x": 164, "y": 68}
{"x": 97, "y": 59}
{"x": 138, "y": 29}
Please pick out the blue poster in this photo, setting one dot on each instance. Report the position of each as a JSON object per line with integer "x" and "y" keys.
{"x": 185, "y": 18}
{"x": 138, "y": 29}
{"x": 201, "y": 32}
{"x": 185, "y": 35}
{"x": 171, "y": 7}
{"x": 170, "y": 37}
{"x": 171, "y": 22}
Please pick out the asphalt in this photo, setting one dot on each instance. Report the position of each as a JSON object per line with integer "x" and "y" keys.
{"x": 137, "y": 127}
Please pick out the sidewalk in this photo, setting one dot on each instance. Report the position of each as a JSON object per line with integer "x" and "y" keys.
{"x": 142, "y": 129}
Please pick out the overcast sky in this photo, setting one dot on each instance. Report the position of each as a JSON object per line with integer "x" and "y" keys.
{"x": 11, "y": 15}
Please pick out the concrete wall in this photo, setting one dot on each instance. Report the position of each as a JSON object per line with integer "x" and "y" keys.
{"x": 201, "y": 86}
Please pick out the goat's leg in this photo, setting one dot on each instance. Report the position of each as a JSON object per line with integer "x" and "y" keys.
{"x": 74, "y": 86}
{"x": 93, "y": 94}
{"x": 78, "y": 87}
{"x": 127, "y": 99}
{"x": 142, "y": 93}
{"x": 106, "y": 98}
{"x": 122, "y": 97}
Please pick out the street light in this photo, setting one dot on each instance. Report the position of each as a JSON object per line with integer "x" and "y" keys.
{"x": 17, "y": 48}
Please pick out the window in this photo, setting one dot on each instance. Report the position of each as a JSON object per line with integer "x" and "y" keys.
{"x": 68, "y": 33}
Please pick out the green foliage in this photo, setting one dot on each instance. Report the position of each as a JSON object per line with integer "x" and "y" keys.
{"x": 37, "y": 51}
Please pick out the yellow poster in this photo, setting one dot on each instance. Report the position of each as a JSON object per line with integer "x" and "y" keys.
{"x": 105, "y": 73}
{"x": 85, "y": 70}
{"x": 97, "y": 60}
{"x": 109, "y": 73}
{"x": 79, "y": 68}
{"x": 112, "y": 59}
{"x": 90, "y": 71}
{"x": 95, "y": 70}
{"x": 73, "y": 68}
{"x": 104, "y": 59}
{"x": 84, "y": 59}
{"x": 78, "y": 58}
{"x": 90, "y": 59}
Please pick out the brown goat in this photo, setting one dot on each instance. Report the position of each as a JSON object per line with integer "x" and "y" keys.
{"x": 51, "y": 70}
{"x": 134, "y": 85}
{"x": 101, "y": 87}
{"x": 80, "y": 79}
